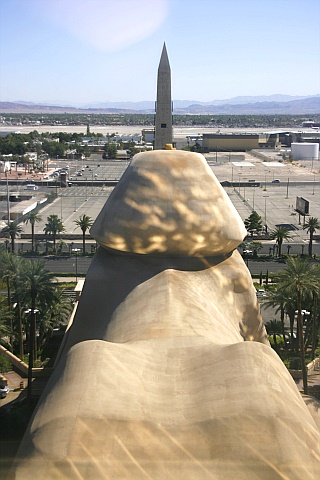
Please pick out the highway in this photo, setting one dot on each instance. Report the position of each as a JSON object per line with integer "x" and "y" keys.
{"x": 80, "y": 265}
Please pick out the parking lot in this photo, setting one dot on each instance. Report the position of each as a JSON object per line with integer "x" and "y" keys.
{"x": 274, "y": 202}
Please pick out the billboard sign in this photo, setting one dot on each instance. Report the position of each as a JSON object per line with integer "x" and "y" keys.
{"x": 302, "y": 206}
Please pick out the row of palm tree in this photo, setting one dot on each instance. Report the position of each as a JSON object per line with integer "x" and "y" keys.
{"x": 254, "y": 223}
{"x": 32, "y": 293}
{"x": 281, "y": 233}
{"x": 297, "y": 288}
{"x": 53, "y": 227}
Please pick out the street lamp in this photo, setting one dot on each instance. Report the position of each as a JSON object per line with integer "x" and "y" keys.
{"x": 61, "y": 197}
{"x": 265, "y": 211}
{"x": 76, "y": 250}
{"x": 32, "y": 347}
{"x": 75, "y": 198}
{"x": 6, "y": 171}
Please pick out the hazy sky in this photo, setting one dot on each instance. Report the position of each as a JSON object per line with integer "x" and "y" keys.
{"x": 77, "y": 52}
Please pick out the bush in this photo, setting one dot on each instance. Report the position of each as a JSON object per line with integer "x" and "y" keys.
{"x": 5, "y": 365}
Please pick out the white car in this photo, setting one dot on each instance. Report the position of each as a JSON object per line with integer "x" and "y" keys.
{"x": 261, "y": 293}
{"x": 4, "y": 390}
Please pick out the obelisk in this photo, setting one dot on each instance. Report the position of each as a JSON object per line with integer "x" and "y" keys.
{"x": 163, "y": 120}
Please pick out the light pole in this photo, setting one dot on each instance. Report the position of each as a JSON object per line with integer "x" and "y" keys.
{"x": 61, "y": 198}
{"x": 75, "y": 198}
{"x": 8, "y": 197}
{"x": 244, "y": 188}
{"x": 76, "y": 250}
{"x": 32, "y": 347}
{"x": 265, "y": 211}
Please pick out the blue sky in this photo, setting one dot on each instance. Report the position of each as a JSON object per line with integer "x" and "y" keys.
{"x": 79, "y": 52}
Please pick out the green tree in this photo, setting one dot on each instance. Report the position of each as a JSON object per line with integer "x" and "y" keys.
{"x": 33, "y": 218}
{"x": 274, "y": 328}
{"x": 111, "y": 150}
{"x": 253, "y": 223}
{"x": 279, "y": 234}
{"x": 84, "y": 222}
{"x": 5, "y": 320}
{"x": 37, "y": 286}
{"x": 256, "y": 247}
{"x": 15, "y": 269}
{"x": 311, "y": 226}
{"x": 278, "y": 298}
{"x": 11, "y": 268}
{"x": 54, "y": 149}
{"x": 12, "y": 230}
{"x": 53, "y": 311}
{"x": 298, "y": 280}
{"x": 53, "y": 227}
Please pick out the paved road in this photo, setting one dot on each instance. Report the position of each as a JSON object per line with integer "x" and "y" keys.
{"x": 81, "y": 264}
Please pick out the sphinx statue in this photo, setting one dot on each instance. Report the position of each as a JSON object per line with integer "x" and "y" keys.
{"x": 166, "y": 371}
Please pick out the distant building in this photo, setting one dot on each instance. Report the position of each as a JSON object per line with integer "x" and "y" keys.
{"x": 305, "y": 151}
{"x": 148, "y": 135}
{"x": 163, "y": 119}
{"x": 239, "y": 141}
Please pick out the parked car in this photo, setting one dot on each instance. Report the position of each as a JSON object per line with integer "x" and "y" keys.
{"x": 261, "y": 293}
{"x": 4, "y": 390}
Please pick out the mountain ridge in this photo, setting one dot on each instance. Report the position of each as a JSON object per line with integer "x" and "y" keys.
{"x": 243, "y": 105}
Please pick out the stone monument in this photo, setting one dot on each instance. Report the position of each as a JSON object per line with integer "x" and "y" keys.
{"x": 163, "y": 119}
{"x": 166, "y": 371}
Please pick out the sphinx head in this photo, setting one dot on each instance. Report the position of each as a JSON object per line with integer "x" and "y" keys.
{"x": 169, "y": 203}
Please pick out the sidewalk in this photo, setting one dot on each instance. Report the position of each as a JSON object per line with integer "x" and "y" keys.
{"x": 313, "y": 383}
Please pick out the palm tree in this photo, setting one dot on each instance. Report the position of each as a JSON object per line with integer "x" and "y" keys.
{"x": 33, "y": 218}
{"x": 315, "y": 313}
{"x": 13, "y": 274}
{"x": 84, "y": 222}
{"x": 311, "y": 226}
{"x": 37, "y": 286}
{"x": 54, "y": 226}
{"x": 278, "y": 298}
{"x": 299, "y": 278}
{"x": 12, "y": 230}
{"x": 274, "y": 328}
{"x": 54, "y": 311}
{"x": 280, "y": 234}
{"x": 5, "y": 321}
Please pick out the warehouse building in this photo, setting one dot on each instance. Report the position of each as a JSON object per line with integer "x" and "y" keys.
{"x": 239, "y": 142}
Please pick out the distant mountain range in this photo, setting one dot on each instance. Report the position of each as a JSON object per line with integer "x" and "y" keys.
{"x": 255, "y": 105}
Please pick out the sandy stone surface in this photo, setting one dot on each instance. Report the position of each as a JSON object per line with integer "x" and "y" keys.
{"x": 166, "y": 371}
